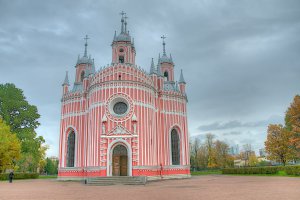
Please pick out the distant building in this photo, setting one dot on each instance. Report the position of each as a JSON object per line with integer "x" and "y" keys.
{"x": 234, "y": 150}
{"x": 239, "y": 163}
{"x": 262, "y": 152}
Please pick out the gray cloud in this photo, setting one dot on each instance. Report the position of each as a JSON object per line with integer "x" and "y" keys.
{"x": 238, "y": 124}
{"x": 232, "y": 133}
{"x": 240, "y": 58}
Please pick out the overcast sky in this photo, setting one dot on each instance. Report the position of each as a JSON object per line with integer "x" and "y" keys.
{"x": 241, "y": 59}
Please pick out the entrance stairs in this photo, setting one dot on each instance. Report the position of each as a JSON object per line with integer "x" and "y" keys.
{"x": 117, "y": 180}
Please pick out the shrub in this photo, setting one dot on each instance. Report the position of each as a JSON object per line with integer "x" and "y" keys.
{"x": 251, "y": 170}
{"x": 20, "y": 176}
{"x": 292, "y": 170}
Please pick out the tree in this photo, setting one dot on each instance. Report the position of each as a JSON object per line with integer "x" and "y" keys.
{"x": 23, "y": 120}
{"x": 194, "y": 148}
{"x": 9, "y": 147}
{"x": 210, "y": 151}
{"x": 278, "y": 145}
{"x": 253, "y": 161}
{"x": 51, "y": 166}
{"x": 292, "y": 122}
{"x": 223, "y": 159}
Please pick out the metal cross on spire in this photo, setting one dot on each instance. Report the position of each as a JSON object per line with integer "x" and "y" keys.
{"x": 164, "y": 44}
{"x": 86, "y": 44}
{"x": 125, "y": 22}
{"x": 122, "y": 21}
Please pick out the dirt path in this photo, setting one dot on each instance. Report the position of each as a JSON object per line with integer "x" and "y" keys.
{"x": 211, "y": 187}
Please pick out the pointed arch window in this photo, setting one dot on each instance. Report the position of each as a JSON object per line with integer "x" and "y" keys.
{"x": 82, "y": 76}
{"x": 175, "y": 148}
{"x": 71, "y": 149}
{"x": 121, "y": 59}
{"x": 166, "y": 76}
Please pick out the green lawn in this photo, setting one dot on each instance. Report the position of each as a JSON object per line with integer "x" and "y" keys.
{"x": 47, "y": 176}
{"x": 205, "y": 172}
{"x": 209, "y": 172}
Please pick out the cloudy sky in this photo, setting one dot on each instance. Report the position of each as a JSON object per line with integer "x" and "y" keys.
{"x": 241, "y": 59}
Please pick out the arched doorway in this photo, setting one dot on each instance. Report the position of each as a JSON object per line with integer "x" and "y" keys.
{"x": 120, "y": 161}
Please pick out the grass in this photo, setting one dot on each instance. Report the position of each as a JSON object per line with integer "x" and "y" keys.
{"x": 210, "y": 172}
{"x": 279, "y": 173}
{"x": 47, "y": 176}
{"x": 205, "y": 172}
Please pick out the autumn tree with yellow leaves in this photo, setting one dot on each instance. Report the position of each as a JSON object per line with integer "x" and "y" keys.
{"x": 278, "y": 144}
{"x": 10, "y": 147}
{"x": 292, "y": 121}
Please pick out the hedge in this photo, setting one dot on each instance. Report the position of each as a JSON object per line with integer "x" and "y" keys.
{"x": 290, "y": 170}
{"x": 293, "y": 170}
{"x": 251, "y": 170}
{"x": 20, "y": 176}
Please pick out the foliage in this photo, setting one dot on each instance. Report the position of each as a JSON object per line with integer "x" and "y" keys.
{"x": 253, "y": 161}
{"x": 51, "y": 166}
{"x": 23, "y": 120}
{"x": 292, "y": 122}
{"x": 251, "y": 170}
{"x": 278, "y": 144}
{"x": 9, "y": 147}
{"x": 293, "y": 170}
{"x": 205, "y": 172}
{"x": 20, "y": 176}
{"x": 211, "y": 154}
{"x": 279, "y": 170}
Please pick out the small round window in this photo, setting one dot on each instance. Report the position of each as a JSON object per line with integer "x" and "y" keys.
{"x": 120, "y": 108}
{"x": 121, "y": 50}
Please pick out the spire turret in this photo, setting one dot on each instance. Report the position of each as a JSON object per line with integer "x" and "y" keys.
{"x": 85, "y": 45}
{"x": 164, "y": 45}
{"x": 66, "y": 81}
{"x": 124, "y": 35}
{"x": 165, "y": 58}
{"x": 181, "y": 79}
{"x": 115, "y": 36}
{"x": 84, "y": 59}
{"x": 125, "y": 18}
{"x": 152, "y": 68}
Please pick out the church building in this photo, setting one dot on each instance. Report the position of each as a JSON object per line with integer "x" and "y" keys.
{"x": 122, "y": 120}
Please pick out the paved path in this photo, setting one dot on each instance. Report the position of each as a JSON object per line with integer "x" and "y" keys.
{"x": 211, "y": 187}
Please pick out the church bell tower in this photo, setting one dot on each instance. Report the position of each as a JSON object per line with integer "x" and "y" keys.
{"x": 123, "y": 50}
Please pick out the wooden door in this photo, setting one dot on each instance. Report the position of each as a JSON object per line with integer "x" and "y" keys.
{"x": 116, "y": 166}
{"x": 123, "y": 165}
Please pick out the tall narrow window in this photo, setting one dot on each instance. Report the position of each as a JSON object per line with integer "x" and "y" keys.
{"x": 175, "y": 147}
{"x": 82, "y": 76}
{"x": 166, "y": 76}
{"x": 121, "y": 59}
{"x": 71, "y": 149}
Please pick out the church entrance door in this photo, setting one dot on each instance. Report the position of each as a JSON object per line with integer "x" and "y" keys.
{"x": 119, "y": 161}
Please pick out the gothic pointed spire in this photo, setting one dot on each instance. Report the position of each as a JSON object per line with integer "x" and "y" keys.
{"x": 164, "y": 45}
{"x": 159, "y": 72}
{"x": 181, "y": 79}
{"x": 93, "y": 67}
{"x": 125, "y": 19}
{"x": 115, "y": 36}
{"x": 176, "y": 87}
{"x": 66, "y": 81}
{"x": 122, "y": 21}
{"x": 158, "y": 61}
{"x": 86, "y": 44}
{"x": 152, "y": 68}
{"x": 171, "y": 59}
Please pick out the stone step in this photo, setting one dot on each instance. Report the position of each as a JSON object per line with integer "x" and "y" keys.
{"x": 114, "y": 180}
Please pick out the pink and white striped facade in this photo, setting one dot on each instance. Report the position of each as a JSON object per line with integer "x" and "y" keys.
{"x": 156, "y": 105}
